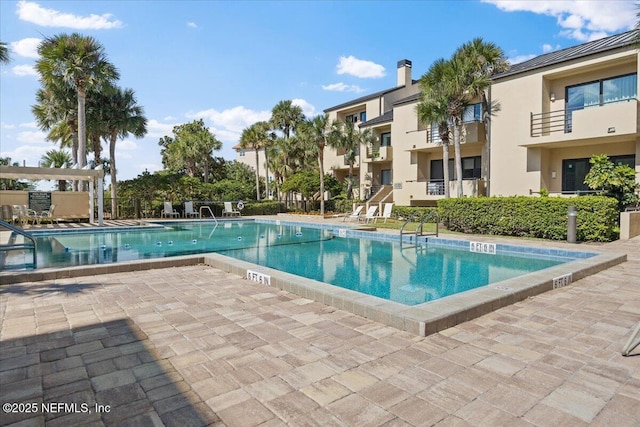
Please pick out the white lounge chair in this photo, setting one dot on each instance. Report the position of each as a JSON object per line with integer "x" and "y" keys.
{"x": 23, "y": 215}
{"x": 370, "y": 215}
{"x": 189, "y": 211}
{"x": 168, "y": 211}
{"x": 355, "y": 215}
{"x": 386, "y": 213}
{"x": 228, "y": 210}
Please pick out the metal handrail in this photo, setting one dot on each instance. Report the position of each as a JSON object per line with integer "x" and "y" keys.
{"x": 24, "y": 234}
{"x": 209, "y": 209}
{"x": 407, "y": 221}
{"x": 421, "y": 225}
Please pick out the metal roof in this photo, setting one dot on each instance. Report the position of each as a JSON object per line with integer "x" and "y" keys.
{"x": 366, "y": 98}
{"x": 29, "y": 172}
{"x": 582, "y": 50}
{"x": 386, "y": 117}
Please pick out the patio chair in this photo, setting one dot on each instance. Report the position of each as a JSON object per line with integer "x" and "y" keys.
{"x": 47, "y": 215}
{"x": 355, "y": 215}
{"x": 23, "y": 215}
{"x": 228, "y": 210}
{"x": 370, "y": 215}
{"x": 386, "y": 213}
{"x": 189, "y": 211}
{"x": 168, "y": 211}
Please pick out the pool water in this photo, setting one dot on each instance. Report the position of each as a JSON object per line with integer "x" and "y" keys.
{"x": 403, "y": 273}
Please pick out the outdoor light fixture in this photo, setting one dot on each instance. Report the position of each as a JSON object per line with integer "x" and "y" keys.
{"x": 552, "y": 96}
{"x": 611, "y": 130}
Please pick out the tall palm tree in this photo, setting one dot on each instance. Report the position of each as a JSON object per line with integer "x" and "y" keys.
{"x": 286, "y": 117}
{"x": 314, "y": 133}
{"x": 257, "y": 137}
{"x": 344, "y": 137}
{"x": 438, "y": 99}
{"x": 483, "y": 60}
{"x": 4, "y": 53}
{"x": 80, "y": 62}
{"x": 121, "y": 116}
{"x": 57, "y": 159}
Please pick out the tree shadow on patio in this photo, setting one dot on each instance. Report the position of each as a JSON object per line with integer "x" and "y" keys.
{"x": 101, "y": 373}
{"x": 47, "y": 288}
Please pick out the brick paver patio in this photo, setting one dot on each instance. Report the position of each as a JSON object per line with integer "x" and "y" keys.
{"x": 197, "y": 346}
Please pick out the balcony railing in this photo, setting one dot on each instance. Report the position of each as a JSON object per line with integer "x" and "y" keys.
{"x": 561, "y": 120}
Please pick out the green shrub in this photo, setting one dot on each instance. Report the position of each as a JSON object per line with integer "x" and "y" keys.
{"x": 263, "y": 208}
{"x": 542, "y": 217}
{"x": 404, "y": 212}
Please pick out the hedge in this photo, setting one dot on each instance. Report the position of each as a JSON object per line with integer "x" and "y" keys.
{"x": 542, "y": 217}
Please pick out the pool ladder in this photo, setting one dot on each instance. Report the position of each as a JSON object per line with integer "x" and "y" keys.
{"x": 432, "y": 215}
{"x": 11, "y": 246}
{"x": 207, "y": 208}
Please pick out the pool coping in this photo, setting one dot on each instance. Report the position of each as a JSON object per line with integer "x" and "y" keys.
{"x": 422, "y": 319}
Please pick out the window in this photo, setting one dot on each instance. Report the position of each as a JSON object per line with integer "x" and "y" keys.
{"x": 385, "y": 139}
{"x": 241, "y": 153}
{"x": 574, "y": 171}
{"x": 471, "y": 168}
{"x": 472, "y": 113}
{"x": 363, "y": 116}
{"x": 599, "y": 92}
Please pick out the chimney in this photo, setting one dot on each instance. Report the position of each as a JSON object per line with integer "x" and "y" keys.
{"x": 404, "y": 72}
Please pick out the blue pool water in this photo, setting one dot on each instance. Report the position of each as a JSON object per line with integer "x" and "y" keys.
{"x": 384, "y": 268}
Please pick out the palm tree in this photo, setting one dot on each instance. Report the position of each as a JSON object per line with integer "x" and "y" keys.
{"x": 80, "y": 62}
{"x": 483, "y": 60}
{"x": 57, "y": 159}
{"x": 286, "y": 117}
{"x": 344, "y": 136}
{"x": 4, "y": 53}
{"x": 314, "y": 132}
{"x": 434, "y": 109}
{"x": 121, "y": 116}
{"x": 257, "y": 137}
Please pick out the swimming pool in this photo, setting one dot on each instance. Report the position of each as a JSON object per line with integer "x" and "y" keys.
{"x": 406, "y": 273}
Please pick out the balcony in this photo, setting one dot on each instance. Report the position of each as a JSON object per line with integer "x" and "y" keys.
{"x": 473, "y": 132}
{"x": 378, "y": 154}
{"x": 607, "y": 120}
{"x": 434, "y": 189}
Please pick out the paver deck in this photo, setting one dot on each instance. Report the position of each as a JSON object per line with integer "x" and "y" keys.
{"x": 198, "y": 346}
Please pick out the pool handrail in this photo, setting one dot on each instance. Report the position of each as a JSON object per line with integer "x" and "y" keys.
{"x": 210, "y": 211}
{"x": 428, "y": 216}
{"x": 15, "y": 247}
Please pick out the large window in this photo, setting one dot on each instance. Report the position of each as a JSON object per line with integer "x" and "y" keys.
{"x": 574, "y": 171}
{"x": 471, "y": 169}
{"x": 599, "y": 92}
{"x": 472, "y": 113}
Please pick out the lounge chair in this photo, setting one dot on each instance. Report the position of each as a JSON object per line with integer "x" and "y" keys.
{"x": 23, "y": 215}
{"x": 386, "y": 213}
{"x": 355, "y": 215}
{"x": 47, "y": 215}
{"x": 228, "y": 210}
{"x": 168, "y": 211}
{"x": 189, "y": 211}
{"x": 370, "y": 215}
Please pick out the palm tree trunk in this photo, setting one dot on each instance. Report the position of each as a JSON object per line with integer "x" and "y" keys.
{"x": 82, "y": 133}
{"x": 112, "y": 173}
{"x": 257, "y": 177}
{"x": 74, "y": 149}
{"x": 266, "y": 173}
{"x": 321, "y": 165}
{"x": 456, "y": 148}
{"x": 445, "y": 169}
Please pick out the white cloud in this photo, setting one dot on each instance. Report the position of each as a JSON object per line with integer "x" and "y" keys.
{"x": 126, "y": 145}
{"x": 4, "y": 125}
{"x": 27, "y": 48}
{"x": 580, "y": 20}
{"x": 24, "y": 70}
{"x": 32, "y": 137}
{"x": 228, "y": 124}
{"x": 156, "y": 129}
{"x": 29, "y": 154}
{"x": 341, "y": 87}
{"x": 192, "y": 25}
{"x": 308, "y": 109}
{"x": 520, "y": 58}
{"x": 36, "y": 14}
{"x": 359, "y": 68}
{"x": 546, "y": 48}
{"x": 30, "y": 125}
{"x": 169, "y": 118}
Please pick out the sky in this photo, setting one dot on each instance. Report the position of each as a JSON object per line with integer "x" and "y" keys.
{"x": 231, "y": 62}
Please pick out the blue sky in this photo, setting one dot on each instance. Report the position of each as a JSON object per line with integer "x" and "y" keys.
{"x": 230, "y": 62}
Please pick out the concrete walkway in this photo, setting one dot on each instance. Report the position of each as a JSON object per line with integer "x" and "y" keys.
{"x": 197, "y": 346}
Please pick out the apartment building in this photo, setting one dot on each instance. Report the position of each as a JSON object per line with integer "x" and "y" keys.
{"x": 556, "y": 111}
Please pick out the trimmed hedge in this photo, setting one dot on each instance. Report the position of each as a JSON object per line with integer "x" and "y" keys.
{"x": 542, "y": 217}
{"x": 405, "y": 212}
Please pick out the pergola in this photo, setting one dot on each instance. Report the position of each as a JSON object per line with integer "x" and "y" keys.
{"x": 35, "y": 173}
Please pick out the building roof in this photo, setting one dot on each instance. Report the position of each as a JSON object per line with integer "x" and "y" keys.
{"x": 582, "y": 50}
{"x": 366, "y": 98}
{"x": 386, "y": 117}
{"x": 411, "y": 98}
